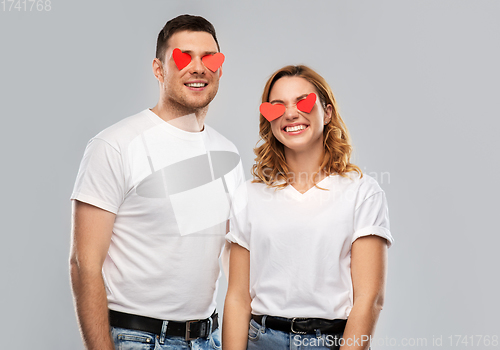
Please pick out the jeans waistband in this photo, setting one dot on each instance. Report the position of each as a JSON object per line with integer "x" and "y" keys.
{"x": 189, "y": 329}
{"x": 302, "y": 325}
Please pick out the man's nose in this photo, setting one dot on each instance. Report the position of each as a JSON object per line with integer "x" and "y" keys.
{"x": 197, "y": 66}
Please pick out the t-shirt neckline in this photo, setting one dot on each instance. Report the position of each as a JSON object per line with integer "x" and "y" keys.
{"x": 173, "y": 130}
{"x": 297, "y": 194}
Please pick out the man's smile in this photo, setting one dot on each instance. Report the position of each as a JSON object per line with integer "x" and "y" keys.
{"x": 196, "y": 85}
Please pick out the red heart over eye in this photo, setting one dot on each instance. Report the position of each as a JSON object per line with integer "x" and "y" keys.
{"x": 213, "y": 62}
{"x": 270, "y": 111}
{"x": 307, "y": 104}
{"x": 181, "y": 59}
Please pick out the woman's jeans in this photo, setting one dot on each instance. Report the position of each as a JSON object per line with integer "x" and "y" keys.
{"x": 260, "y": 337}
{"x": 129, "y": 339}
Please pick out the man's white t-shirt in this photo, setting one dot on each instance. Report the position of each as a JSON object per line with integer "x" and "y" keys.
{"x": 171, "y": 192}
{"x": 300, "y": 244}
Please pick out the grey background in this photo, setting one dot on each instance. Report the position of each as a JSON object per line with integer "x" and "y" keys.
{"x": 417, "y": 83}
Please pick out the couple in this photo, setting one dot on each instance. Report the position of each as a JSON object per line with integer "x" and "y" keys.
{"x": 159, "y": 193}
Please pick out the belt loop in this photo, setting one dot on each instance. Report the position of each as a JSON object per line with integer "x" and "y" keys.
{"x": 163, "y": 333}
{"x": 264, "y": 323}
{"x": 210, "y": 323}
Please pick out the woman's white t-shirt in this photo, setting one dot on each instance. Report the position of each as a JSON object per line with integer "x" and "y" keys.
{"x": 300, "y": 244}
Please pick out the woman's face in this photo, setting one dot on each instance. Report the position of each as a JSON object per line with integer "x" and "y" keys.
{"x": 296, "y": 130}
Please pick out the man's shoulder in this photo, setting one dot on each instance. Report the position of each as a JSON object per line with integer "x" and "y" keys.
{"x": 219, "y": 141}
{"x": 126, "y": 129}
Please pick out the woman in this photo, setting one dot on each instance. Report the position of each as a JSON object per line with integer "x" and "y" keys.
{"x": 309, "y": 234}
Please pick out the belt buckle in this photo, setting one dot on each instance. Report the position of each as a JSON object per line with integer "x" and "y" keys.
{"x": 187, "y": 336}
{"x": 291, "y": 325}
{"x": 203, "y": 329}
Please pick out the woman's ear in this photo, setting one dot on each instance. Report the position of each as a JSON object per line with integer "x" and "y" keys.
{"x": 328, "y": 113}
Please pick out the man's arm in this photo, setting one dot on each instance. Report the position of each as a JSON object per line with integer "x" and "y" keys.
{"x": 91, "y": 235}
{"x": 368, "y": 271}
{"x": 237, "y": 309}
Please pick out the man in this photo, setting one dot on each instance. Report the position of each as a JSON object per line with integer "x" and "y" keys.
{"x": 150, "y": 206}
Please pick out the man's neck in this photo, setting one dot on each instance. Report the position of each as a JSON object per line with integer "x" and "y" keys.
{"x": 181, "y": 118}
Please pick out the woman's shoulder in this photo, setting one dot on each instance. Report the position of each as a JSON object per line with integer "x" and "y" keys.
{"x": 257, "y": 187}
{"x": 255, "y": 191}
{"x": 248, "y": 192}
{"x": 258, "y": 184}
{"x": 249, "y": 187}
{"x": 363, "y": 183}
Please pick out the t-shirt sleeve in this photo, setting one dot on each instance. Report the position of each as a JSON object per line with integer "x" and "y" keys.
{"x": 239, "y": 226}
{"x": 371, "y": 217}
{"x": 233, "y": 183}
{"x": 100, "y": 179}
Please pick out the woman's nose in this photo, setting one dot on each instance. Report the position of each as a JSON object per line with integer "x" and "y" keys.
{"x": 291, "y": 112}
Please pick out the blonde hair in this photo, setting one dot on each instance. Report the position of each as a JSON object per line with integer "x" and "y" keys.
{"x": 270, "y": 164}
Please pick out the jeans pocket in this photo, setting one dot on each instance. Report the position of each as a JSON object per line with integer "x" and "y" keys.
{"x": 215, "y": 339}
{"x": 253, "y": 330}
{"x": 127, "y": 339}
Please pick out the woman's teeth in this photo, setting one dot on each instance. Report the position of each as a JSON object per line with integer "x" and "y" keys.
{"x": 295, "y": 128}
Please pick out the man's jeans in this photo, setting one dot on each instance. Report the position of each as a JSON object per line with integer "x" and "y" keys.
{"x": 260, "y": 337}
{"x": 128, "y": 339}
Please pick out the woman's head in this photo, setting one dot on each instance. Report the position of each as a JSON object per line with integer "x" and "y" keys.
{"x": 288, "y": 86}
{"x": 297, "y": 117}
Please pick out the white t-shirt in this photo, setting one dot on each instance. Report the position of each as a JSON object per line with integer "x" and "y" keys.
{"x": 170, "y": 190}
{"x": 300, "y": 244}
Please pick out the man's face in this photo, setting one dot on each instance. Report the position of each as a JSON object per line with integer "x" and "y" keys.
{"x": 183, "y": 86}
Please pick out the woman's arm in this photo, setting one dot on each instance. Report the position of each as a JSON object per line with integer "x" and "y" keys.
{"x": 237, "y": 310}
{"x": 368, "y": 271}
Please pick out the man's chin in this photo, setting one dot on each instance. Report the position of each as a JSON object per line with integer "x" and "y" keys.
{"x": 185, "y": 107}
{"x": 197, "y": 104}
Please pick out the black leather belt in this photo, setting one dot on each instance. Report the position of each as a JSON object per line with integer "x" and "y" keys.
{"x": 300, "y": 325}
{"x": 189, "y": 330}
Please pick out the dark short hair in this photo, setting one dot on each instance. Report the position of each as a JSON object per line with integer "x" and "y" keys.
{"x": 181, "y": 23}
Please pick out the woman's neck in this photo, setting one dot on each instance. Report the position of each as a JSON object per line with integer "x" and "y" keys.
{"x": 304, "y": 168}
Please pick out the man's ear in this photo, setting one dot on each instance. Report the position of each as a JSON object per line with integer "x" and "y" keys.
{"x": 158, "y": 70}
{"x": 220, "y": 72}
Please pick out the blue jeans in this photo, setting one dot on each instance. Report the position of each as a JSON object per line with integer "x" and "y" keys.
{"x": 129, "y": 339}
{"x": 260, "y": 337}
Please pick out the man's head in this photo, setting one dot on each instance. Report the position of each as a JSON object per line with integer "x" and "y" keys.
{"x": 182, "y": 23}
{"x": 192, "y": 86}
